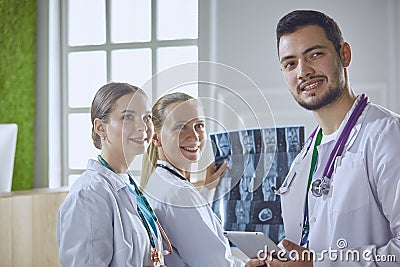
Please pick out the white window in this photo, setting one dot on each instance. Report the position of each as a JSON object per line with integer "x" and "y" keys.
{"x": 114, "y": 40}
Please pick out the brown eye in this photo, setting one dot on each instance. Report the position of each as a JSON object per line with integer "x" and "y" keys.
{"x": 316, "y": 54}
{"x": 288, "y": 65}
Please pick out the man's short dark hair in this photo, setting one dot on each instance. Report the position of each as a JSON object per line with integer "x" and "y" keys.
{"x": 294, "y": 20}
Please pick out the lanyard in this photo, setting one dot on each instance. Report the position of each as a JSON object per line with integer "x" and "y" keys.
{"x": 306, "y": 222}
{"x": 147, "y": 216}
{"x": 171, "y": 171}
{"x": 144, "y": 210}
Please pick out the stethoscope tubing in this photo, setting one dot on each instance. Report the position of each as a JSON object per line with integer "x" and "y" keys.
{"x": 338, "y": 148}
{"x": 175, "y": 173}
{"x": 344, "y": 136}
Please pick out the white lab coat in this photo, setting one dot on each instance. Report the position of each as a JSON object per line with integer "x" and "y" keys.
{"x": 363, "y": 206}
{"x": 195, "y": 233}
{"x": 98, "y": 224}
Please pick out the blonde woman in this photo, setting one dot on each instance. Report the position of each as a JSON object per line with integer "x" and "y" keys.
{"x": 105, "y": 220}
{"x": 195, "y": 233}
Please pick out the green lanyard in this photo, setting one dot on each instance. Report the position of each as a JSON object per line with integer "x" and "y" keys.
{"x": 144, "y": 209}
{"x": 306, "y": 222}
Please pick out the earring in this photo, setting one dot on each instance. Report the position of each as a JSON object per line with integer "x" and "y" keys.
{"x": 157, "y": 143}
{"x": 104, "y": 137}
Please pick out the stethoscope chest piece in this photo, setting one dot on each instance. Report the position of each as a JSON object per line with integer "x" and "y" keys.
{"x": 320, "y": 187}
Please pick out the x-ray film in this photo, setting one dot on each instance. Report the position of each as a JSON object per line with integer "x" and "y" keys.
{"x": 258, "y": 161}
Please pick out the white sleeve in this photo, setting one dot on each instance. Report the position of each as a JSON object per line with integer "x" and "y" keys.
{"x": 208, "y": 194}
{"x": 193, "y": 231}
{"x": 386, "y": 171}
{"x": 84, "y": 230}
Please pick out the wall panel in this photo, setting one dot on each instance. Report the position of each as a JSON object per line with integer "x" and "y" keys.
{"x": 28, "y": 222}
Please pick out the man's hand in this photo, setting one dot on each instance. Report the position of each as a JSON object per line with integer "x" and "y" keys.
{"x": 296, "y": 256}
{"x": 255, "y": 263}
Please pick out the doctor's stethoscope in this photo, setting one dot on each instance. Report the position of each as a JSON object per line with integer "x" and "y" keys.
{"x": 321, "y": 186}
{"x": 175, "y": 173}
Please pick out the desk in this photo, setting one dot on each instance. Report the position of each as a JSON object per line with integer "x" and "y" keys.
{"x": 28, "y": 221}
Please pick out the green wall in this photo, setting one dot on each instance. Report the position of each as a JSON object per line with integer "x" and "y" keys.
{"x": 17, "y": 82}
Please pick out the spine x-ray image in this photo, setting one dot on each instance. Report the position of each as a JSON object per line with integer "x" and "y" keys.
{"x": 258, "y": 161}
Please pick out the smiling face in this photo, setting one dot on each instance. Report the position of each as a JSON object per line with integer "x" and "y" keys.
{"x": 128, "y": 127}
{"x": 313, "y": 71}
{"x": 182, "y": 136}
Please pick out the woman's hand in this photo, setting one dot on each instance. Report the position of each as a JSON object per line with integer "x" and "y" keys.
{"x": 213, "y": 174}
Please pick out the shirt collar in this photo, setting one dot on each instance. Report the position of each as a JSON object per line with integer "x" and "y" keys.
{"x": 116, "y": 180}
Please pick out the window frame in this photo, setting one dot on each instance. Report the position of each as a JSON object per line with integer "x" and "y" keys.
{"x": 59, "y": 169}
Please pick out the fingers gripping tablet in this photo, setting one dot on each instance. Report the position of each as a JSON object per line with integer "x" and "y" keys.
{"x": 251, "y": 242}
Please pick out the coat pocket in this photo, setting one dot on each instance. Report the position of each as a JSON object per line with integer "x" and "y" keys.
{"x": 350, "y": 184}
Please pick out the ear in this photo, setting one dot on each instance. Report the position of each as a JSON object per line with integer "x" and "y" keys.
{"x": 156, "y": 140}
{"x": 98, "y": 127}
{"x": 345, "y": 54}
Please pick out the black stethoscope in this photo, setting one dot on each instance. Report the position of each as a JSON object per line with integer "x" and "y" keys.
{"x": 172, "y": 171}
{"x": 321, "y": 186}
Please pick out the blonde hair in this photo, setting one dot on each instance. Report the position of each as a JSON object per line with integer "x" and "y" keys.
{"x": 158, "y": 116}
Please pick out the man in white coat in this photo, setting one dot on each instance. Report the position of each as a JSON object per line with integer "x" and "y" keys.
{"x": 341, "y": 198}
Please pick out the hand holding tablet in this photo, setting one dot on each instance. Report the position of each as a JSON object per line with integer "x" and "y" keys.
{"x": 251, "y": 242}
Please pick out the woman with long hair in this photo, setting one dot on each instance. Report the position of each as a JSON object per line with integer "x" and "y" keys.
{"x": 195, "y": 232}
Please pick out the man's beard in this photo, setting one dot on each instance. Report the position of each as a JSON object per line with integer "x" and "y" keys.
{"x": 334, "y": 92}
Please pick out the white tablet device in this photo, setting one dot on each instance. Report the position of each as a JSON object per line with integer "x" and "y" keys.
{"x": 251, "y": 242}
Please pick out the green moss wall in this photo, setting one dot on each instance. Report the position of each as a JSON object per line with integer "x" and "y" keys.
{"x": 17, "y": 82}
